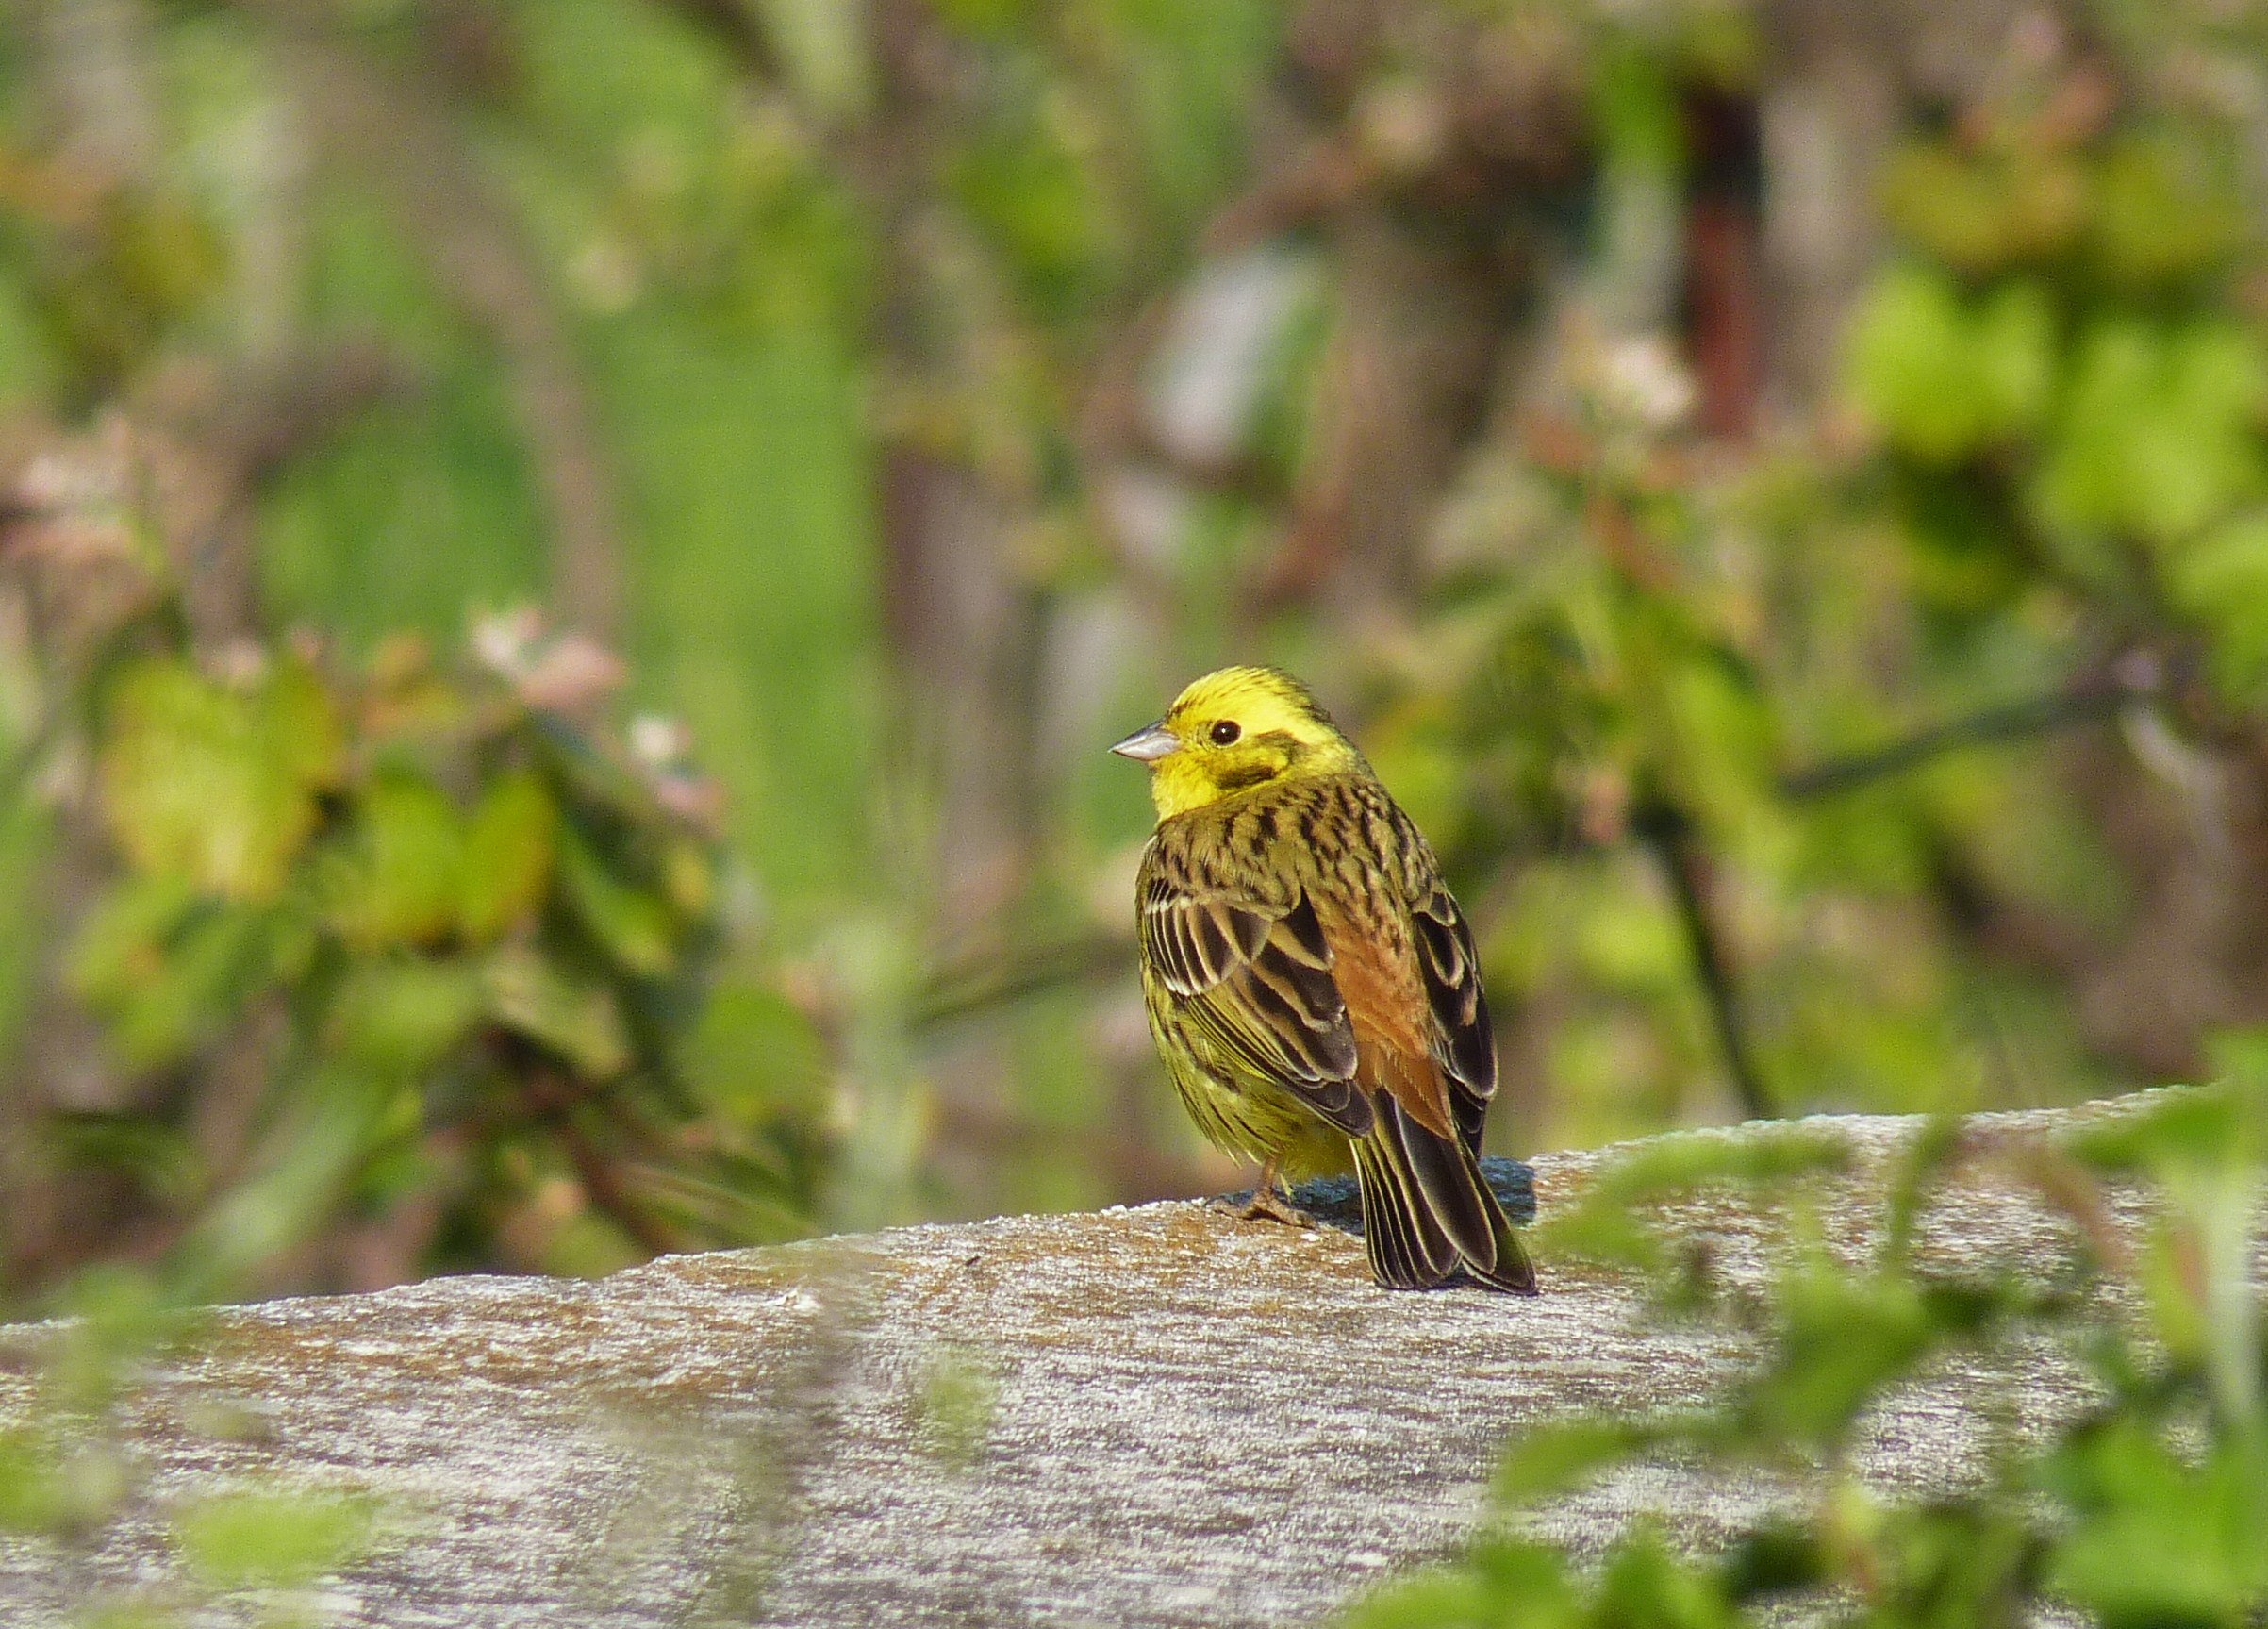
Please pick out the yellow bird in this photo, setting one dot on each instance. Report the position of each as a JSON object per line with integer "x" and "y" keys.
{"x": 1310, "y": 983}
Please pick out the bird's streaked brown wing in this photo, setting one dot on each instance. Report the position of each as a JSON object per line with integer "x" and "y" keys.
{"x": 1405, "y": 961}
{"x": 1465, "y": 1043}
{"x": 1253, "y": 974}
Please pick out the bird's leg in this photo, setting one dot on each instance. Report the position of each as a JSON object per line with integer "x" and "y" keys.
{"x": 1268, "y": 1204}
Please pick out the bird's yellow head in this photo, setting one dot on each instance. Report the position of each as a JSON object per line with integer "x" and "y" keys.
{"x": 1234, "y": 730}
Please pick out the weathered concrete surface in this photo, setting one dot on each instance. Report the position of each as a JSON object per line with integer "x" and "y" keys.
{"x": 1156, "y": 1416}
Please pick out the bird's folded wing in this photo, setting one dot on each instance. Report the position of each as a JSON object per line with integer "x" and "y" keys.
{"x": 1253, "y": 976}
{"x": 1464, "y": 1044}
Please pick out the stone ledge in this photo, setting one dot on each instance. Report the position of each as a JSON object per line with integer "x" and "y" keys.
{"x": 1151, "y": 1416}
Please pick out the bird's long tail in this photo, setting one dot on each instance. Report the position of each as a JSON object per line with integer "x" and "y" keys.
{"x": 1428, "y": 1214}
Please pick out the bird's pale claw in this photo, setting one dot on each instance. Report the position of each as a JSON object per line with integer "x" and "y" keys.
{"x": 1266, "y": 1205}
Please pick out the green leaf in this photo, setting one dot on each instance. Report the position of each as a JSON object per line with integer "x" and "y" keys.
{"x": 213, "y": 785}
{"x": 335, "y": 1116}
{"x": 1548, "y": 1460}
{"x": 399, "y": 879}
{"x": 1440, "y": 1598}
{"x": 754, "y": 1055}
{"x": 1971, "y": 1561}
{"x": 1842, "y": 1339}
{"x": 954, "y": 1409}
{"x": 2221, "y": 582}
{"x": 577, "y": 1020}
{"x": 300, "y": 726}
{"x": 161, "y": 1161}
{"x": 509, "y": 848}
{"x": 1983, "y": 213}
{"x": 1945, "y": 378}
{"x": 1781, "y": 1554}
{"x": 2160, "y": 1538}
{"x": 168, "y": 970}
{"x": 403, "y": 1016}
{"x": 629, "y": 923}
{"x": 2157, "y": 437}
{"x": 2165, "y": 207}
{"x": 120, "y": 945}
{"x": 1643, "y": 1583}
{"x": 57, "y": 1489}
{"x": 1757, "y": 1155}
{"x": 1025, "y": 180}
{"x": 1504, "y": 1584}
{"x": 2197, "y": 1129}
{"x": 1606, "y": 1224}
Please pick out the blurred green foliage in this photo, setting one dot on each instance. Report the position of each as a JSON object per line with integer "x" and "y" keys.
{"x": 2146, "y": 1509}
{"x": 1806, "y": 577}
{"x": 443, "y": 939}
{"x": 71, "y": 1476}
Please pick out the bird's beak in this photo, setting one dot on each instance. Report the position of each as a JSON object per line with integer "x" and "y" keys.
{"x": 1149, "y": 743}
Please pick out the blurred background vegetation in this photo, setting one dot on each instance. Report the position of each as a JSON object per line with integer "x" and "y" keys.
{"x": 1781, "y": 487}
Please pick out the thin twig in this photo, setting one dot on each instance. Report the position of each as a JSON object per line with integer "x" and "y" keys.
{"x": 1669, "y": 832}
{"x": 2089, "y": 703}
{"x": 980, "y": 983}
{"x": 603, "y": 1185}
{"x": 550, "y": 1098}
{"x": 734, "y": 25}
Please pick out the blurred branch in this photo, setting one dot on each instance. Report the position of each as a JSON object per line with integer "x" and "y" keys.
{"x": 2134, "y": 678}
{"x": 293, "y": 408}
{"x": 218, "y": 439}
{"x": 734, "y": 24}
{"x": 1321, "y": 180}
{"x": 977, "y": 984}
{"x": 552, "y": 1100}
{"x": 1669, "y": 832}
{"x": 403, "y": 137}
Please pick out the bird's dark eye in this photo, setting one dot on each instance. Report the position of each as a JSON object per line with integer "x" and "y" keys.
{"x": 1226, "y": 731}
